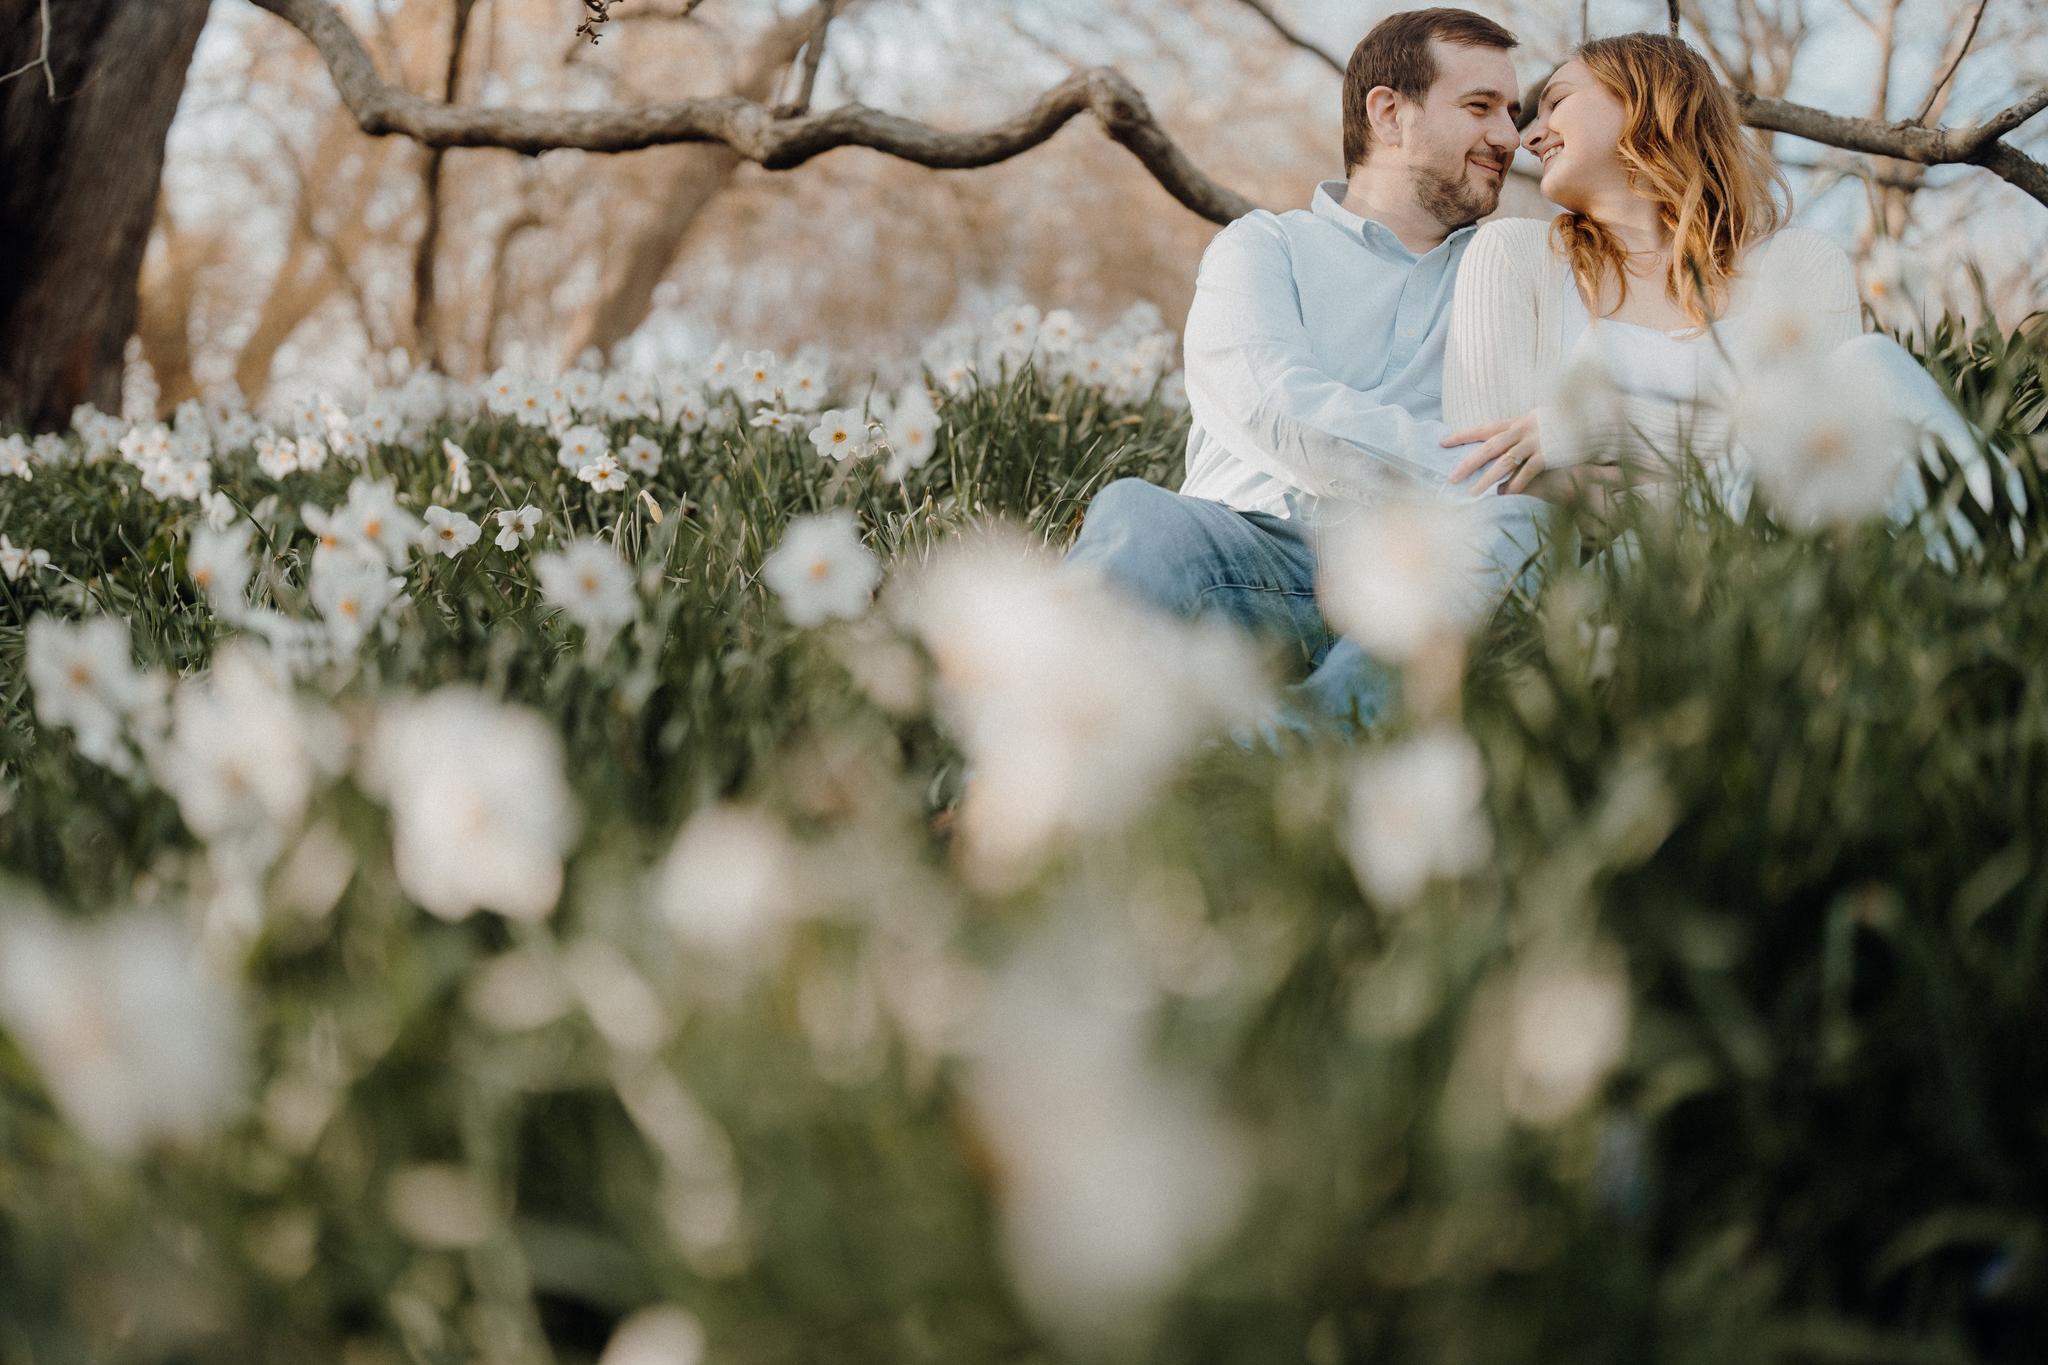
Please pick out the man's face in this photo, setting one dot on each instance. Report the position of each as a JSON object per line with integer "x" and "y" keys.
{"x": 1460, "y": 140}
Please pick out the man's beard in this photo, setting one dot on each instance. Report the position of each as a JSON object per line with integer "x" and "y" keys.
{"x": 1453, "y": 200}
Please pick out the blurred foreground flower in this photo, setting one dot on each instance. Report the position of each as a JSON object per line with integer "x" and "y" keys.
{"x": 439, "y": 1205}
{"x": 1417, "y": 812}
{"x": 351, "y": 588}
{"x": 135, "y": 1038}
{"x": 821, "y": 569}
{"x": 1114, "y": 1178}
{"x": 243, "y": 756}
{"x": 911, "y": 431}
{"x": 18, "y": 559}
{"x": 1402, "y": 575}
{"x": 728, "y": 884}
{"x": 1567, "y": 1026}
{"x": 1825, "y": 435}
{"x": 84, "y": 682}
{"x": 1074, "y": 703}
{"x": 592, "y": 586}
{"x": 1895, "y": 282}
{"x": 481, "y": 814}
{"x": 217, "y": 561}
{"x": 662, "y": 1335}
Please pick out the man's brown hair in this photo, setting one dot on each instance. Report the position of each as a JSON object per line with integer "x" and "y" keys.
{"x": 1396, "y": 54}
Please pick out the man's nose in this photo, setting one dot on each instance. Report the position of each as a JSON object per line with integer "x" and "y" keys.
{"x": 1500, "y": 133}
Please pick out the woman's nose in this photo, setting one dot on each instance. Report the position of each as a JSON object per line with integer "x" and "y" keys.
{"x": 1534, "y": 135}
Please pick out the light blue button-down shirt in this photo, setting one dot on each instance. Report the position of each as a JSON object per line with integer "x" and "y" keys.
{"x": 1315, "y": 363}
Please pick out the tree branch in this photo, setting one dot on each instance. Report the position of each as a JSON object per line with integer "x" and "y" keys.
{"x": 2005, "y": 120}
{"x": 1962, "y": 51}
{"x": 1274, "y": 22}
{"x": 756, "y": 134}
{"x": 752, "y": 130}
{"x": 2004, "y": 159}
{"x": 1976, "y": 145}
{"x": 814, "y": 55}
{"x": 42, "y": 58}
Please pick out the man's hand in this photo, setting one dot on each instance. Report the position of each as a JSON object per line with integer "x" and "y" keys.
{"x": 1513, "y": 451}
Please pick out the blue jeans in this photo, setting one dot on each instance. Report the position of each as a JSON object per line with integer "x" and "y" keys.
{"x": 1193, "y": 557}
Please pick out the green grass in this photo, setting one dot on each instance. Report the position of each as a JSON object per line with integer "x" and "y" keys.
{"x": 1803, "y": 814}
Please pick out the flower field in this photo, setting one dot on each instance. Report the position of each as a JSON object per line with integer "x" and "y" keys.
{"x": 661, "y": 868}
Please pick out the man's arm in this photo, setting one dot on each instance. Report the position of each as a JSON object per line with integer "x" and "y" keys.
{"x": 1255, "y": 385}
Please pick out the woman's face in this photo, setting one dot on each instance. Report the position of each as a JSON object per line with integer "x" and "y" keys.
{"x": 1577, "y": 137}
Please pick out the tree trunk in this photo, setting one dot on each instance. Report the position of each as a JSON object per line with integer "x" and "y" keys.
{"x": 78, "y": 185}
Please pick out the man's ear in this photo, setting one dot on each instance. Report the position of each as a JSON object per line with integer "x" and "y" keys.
{"x": 1383, "y": 114}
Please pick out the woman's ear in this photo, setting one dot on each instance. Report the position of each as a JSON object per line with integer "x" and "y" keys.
{"x": 1383, "y": 114}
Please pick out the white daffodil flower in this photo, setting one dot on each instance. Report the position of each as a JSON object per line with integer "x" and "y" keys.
{"x": 16, "y": 560}
{"x": 481, "y": 813}
{"x": 458, "y": 466}
{"x": 821, "y": 569}
{"x": 603, "y": 475}
{"x": 351, "y": 590}
{"x": 840, "y": 434}
{"x": 1417, "y": 812}
{"x": 136, "y": 1039}
{"x": 581, "y": 445}
{"x": 911, "y": 432}
{"x": 449, "y": 532}
{"x": 84, "y": 681}
{"x": 218, "y": 564}
{"x": 1403, "y": 573}
{"x": 642, "y": 455}
{"x": 14, "y": 458}
{"x": 758, "y": 377}
{"x": 276, "y": 455}
{"x": 592, "y": 586}
{"x": 516, "y": 526}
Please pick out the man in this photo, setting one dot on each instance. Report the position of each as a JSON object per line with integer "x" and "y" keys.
{"x": 1315, "y": 352}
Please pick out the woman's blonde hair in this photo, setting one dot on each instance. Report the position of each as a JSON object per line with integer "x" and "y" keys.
{"x": 1684, "y": 146}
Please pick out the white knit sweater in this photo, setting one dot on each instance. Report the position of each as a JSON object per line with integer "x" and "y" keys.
{"x": 1505, "y": 355}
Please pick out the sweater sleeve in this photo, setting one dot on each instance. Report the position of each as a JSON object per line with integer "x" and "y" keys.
{"x": 1494, "y": 367}
{"x": 1832, "y": 278}
{"x": 1490, "y": 351}
{"x": 1807, "y": 270}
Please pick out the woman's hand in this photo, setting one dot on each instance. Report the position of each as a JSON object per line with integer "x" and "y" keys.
{"x": 1513, "y": 451}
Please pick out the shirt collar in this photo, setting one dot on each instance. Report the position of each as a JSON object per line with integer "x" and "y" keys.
{"x": 1328, "y": 203}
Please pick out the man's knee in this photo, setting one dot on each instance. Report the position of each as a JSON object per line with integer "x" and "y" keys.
{"x": 1133, "y": 534}
{"x": 1126, "y": 505}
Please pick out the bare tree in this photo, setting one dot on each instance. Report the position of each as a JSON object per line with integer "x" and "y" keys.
{"x": 423, "y": 319}
{"x": 696, "y": 178}
{"x": 78, "y": 184}
{"x": 747, "y": 127}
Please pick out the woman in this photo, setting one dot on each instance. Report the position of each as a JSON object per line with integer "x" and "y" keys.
{"x": 1598, "y": 346}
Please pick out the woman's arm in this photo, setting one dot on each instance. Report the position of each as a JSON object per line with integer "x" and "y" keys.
{"x": 1490, "y": 351}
